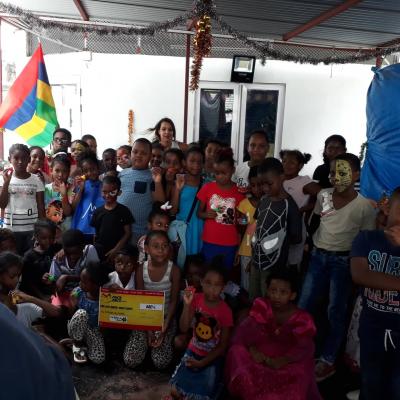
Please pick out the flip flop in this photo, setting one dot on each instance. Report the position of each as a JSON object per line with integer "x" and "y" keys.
{"x": 79, "y": 354}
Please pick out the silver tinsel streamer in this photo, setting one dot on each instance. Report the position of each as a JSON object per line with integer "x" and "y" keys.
{"x": 264, "y": 50}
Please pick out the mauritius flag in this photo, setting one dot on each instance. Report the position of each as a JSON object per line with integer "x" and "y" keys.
{"x": 29, "y": 108}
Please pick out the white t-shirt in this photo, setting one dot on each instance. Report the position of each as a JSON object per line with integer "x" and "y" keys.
{"x": 241, "y": 176}
{"x": 295, "y": 188}
{"x": 114, "y": 279}
{"x": 28, "y": 313}
{"x": 21, "y": 212}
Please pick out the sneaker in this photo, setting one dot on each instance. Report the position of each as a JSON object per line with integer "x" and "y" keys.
{"x": 354, "y": 395}
{"x": 323, "y": 370}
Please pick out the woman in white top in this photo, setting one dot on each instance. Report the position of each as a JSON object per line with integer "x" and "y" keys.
{"x": 165, "y": 133}
{"x": 303, "y": 190}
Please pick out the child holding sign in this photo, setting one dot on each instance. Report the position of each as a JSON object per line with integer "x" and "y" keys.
{"x": 156, "y": 274}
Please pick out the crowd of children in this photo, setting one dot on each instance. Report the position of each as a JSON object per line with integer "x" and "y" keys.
{"x": 245, "y": 254}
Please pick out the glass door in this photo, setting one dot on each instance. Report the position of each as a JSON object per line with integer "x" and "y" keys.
{"x": 217, "y": 112}
{"x": 229, "y": 112}
{"x": 261, "y": 108}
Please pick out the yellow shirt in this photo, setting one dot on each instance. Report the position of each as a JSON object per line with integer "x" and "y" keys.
{"x": 246, "y": 208}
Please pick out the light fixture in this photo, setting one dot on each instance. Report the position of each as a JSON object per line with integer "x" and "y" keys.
{"x": 243, "y": 69}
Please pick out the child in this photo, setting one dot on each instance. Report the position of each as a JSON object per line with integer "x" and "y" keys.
{"x": 21, "y": 195}
{"x": 335, "y": 145}
{"x": 65, "y": 270}
{"x": 36, "y": 163}
{"x": 126, "y": 263}
{"x": 112, "y": 221}
{"x": 375, "y": 258}
{"x": 272, "y": 352}
{"x": 88, "y": 195}
{"x": 109, "y": 159}
{"x": 157, "y": 155}
{"x": 140, "y": 187}
{"x": 342, "y": 214}
{"x": 37, "y": 261}
{"x": 193, "y": 273}
{"x": 173, "y": 165}
{"x": 278, "y": 225}
{"x": 211, "y": 150}
{"x": 198, "y": 376}
{"x": 303, "y": 191}
{"x": 91, "y": 141}
{"x": 156, "y": 274}
{"x": 26, "y": 308}
{"x": 7, "y": 241}
{"x": 124, "y": 157}
{"x": 159, "y": 220}
{"x": 188, "y": 227}
{"x": 218, "y": 202}
{"x": 83, "y": 326}
{"x": 60, "y": 191}
{"x": 257, "y": 149}
{"x": 247, "y": 209}
{"x": 77, "y": 148}
{"x": 60, "y": 144}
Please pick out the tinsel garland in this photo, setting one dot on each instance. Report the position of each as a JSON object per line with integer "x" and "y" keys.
{"x": 363, "y": 151}
{"x": 130, "y": 127}
{"x": 202, "y": 48}
{"x": 202, "y": 7}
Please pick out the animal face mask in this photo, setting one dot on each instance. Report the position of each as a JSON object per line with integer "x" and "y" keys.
{"x": 342, "y": 178}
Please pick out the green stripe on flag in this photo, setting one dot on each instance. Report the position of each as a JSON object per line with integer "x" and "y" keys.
{"x": 46, "y": 112}
{"x": 43, "y": 138}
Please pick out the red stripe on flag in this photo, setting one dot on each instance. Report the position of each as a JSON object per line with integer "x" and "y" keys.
{"x": 21, "y": 88}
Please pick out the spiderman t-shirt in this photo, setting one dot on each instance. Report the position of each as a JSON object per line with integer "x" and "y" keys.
{"x": 207, "y": 324}
{"x": 221, "y": 230}
{"x": 279, "y": 224}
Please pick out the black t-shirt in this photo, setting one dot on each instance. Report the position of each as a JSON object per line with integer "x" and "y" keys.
{"x": 109, "y": 225}
{"x": 321, "y": 176}
{"x": 279, "y": 224}
{"x": 36, "y": 264}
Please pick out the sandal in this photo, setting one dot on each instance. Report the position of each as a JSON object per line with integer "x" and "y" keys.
{"x": 79, "y": 354}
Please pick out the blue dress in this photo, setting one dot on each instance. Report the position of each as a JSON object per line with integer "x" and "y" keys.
{"x": 195, "y": 227}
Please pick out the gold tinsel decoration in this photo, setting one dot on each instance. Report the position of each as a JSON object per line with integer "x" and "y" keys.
{"x": 130, "y": 127}
{"x": 202, "y": 47}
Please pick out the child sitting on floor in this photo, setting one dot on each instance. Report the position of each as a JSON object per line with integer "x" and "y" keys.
{"x": 125, "y": 262}
{"x": 272, "y": 352}
{"x": 83, "y": 326}
{"x": 27, "y": 308}
{"x": 37, "y": 261}
{"x": 156, "y": 274}
{"x": 65, "y": 269}
{"x": 198, "y": 376}
{"x": 7, "y": 241}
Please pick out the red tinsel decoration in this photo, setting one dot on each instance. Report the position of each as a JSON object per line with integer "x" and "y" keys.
{"x": 202, "y": 48}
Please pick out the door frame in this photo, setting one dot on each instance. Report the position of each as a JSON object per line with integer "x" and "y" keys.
{"x": 239, "y": 107}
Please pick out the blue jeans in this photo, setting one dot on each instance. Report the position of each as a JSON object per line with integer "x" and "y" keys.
{"x": 328, "y": 274}
{"x": 380, "y": 366}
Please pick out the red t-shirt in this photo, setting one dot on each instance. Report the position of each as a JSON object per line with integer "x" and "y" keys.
{"x": 221, "y": 230}
{"x": 207, "y": 324}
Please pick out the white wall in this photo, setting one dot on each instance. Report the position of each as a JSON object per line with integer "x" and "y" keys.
{"x": 320, "y": 100}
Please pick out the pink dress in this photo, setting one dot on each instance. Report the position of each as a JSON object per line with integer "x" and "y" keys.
{"x": 295, "y": 381}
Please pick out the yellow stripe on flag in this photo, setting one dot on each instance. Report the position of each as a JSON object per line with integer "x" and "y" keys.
{"x": 43, "y": 92}
{"x": 31, "y": 128}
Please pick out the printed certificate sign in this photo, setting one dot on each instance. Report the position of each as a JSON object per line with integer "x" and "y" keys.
{"x": 131, "y": 309}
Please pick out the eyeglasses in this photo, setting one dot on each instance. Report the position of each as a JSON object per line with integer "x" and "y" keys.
{"x": 61, "y": 141}
{"x": 113, "y": 193}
